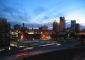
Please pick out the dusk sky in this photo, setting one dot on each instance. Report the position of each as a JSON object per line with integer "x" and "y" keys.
{"x": 42, "y": 11}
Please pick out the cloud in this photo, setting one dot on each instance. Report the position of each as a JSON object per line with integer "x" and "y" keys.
{"x": 77, "y": 15}
{"x": 46, "y": 17}
{"x": 14, "y": 15}
{"x": 10, "y": 10}
{"x": 39, "y": 10}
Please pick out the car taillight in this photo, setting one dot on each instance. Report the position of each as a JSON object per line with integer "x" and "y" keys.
{"x": 23, "y": 54}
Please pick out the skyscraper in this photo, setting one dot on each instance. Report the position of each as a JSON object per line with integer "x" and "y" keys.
{"x": 23, "y": 28}
{"x": 43, "y": 28}
{"x": 62, "y": 24}
{"x": 17, "y": 27}
{"x": 77, "y": 27}
{"x": 56, "y": 26}
{"x": 73, "y": 23}
{"x": 4, "y": 33}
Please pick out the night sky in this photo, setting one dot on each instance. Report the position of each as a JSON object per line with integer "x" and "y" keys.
{"x": 42, "y": 11}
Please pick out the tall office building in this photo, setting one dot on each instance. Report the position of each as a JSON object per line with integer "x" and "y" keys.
{"x": 77, "y": 27}
{"x": 73, "y": 23}
{"x": 17, "y": 27}
{"x": 62, "y": 24}
{"x": 43, "y": 28}
{"x": 23, "y": 28}
{"x": 4, "y": 33}
{"x": 55, "y": 26}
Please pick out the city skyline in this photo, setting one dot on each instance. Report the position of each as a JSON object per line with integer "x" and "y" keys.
{"x": 42, "y": 12}
{"x": 61, "y": 22}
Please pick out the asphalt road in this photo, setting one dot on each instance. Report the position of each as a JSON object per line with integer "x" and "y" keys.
{"x": 37, "y": 50}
